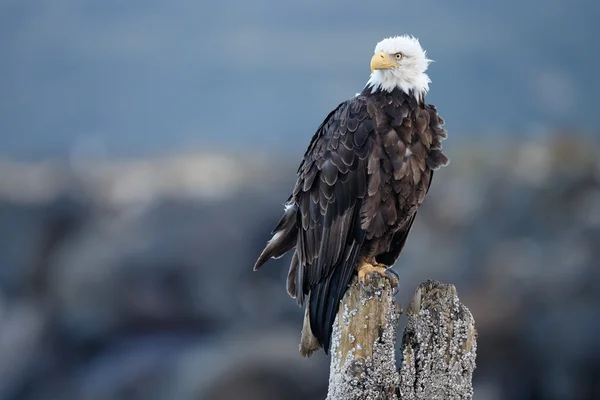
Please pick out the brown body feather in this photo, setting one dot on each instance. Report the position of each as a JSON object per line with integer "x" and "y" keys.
{"x": 362, "y": 179}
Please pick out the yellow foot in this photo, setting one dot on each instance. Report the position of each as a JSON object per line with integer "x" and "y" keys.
{"x": 365, "y": 268}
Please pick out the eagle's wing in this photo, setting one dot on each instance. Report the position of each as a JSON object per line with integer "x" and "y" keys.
{"x": 399, "y": 239}
{"x": 435, "y": 134}
{"x": 331, "y": 185}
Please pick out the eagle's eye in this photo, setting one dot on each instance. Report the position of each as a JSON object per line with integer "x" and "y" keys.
{"x": 398, "y": 56}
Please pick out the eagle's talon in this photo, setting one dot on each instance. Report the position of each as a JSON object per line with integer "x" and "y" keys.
{"x": 366, "y": 268}
{"x": 394, "y": 279}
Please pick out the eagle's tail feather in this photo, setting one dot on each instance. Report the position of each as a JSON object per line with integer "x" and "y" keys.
{"x": 284, "y": 237}
{"x": 324, "y": 299}
{"x": 308, "y": 342}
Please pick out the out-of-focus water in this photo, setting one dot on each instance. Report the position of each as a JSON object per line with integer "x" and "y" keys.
{"x": 142, "y": 77}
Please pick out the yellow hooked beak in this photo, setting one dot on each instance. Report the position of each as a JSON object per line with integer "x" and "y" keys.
{"x": 382, "y": 61}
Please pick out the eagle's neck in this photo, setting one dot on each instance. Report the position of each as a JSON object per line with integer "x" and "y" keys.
{"x": 414, "y": 84}
{"x": 411, "y": 98}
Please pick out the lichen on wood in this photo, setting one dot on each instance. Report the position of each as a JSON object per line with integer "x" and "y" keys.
{"x": 438, "y": 347}
{"x": 362, "y": 351}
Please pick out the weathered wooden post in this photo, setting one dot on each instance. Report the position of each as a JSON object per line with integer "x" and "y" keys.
{"x": 438, "y": 345}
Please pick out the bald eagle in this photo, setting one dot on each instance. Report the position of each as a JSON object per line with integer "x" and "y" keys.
{"x": 365, "y": 173}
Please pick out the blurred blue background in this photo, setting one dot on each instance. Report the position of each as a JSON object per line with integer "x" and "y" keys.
{"x": 146, "y": 148}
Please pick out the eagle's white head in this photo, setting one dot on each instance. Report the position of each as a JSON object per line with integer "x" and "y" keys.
{"x": 400, "y": 62}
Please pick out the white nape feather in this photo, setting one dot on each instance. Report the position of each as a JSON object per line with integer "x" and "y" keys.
{"x": 410, "y": 74}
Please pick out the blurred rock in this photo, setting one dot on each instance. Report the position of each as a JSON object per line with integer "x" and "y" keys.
{"x": 110, "y": 292}
{"x": 22, "y": 329}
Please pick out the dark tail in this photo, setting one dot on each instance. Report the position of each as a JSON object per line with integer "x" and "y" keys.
{"x": 284, "y": 237}
{"x": 324, "y": 298}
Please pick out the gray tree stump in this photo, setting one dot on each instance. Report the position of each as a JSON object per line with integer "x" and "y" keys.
{"x": 438, "y": 345}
